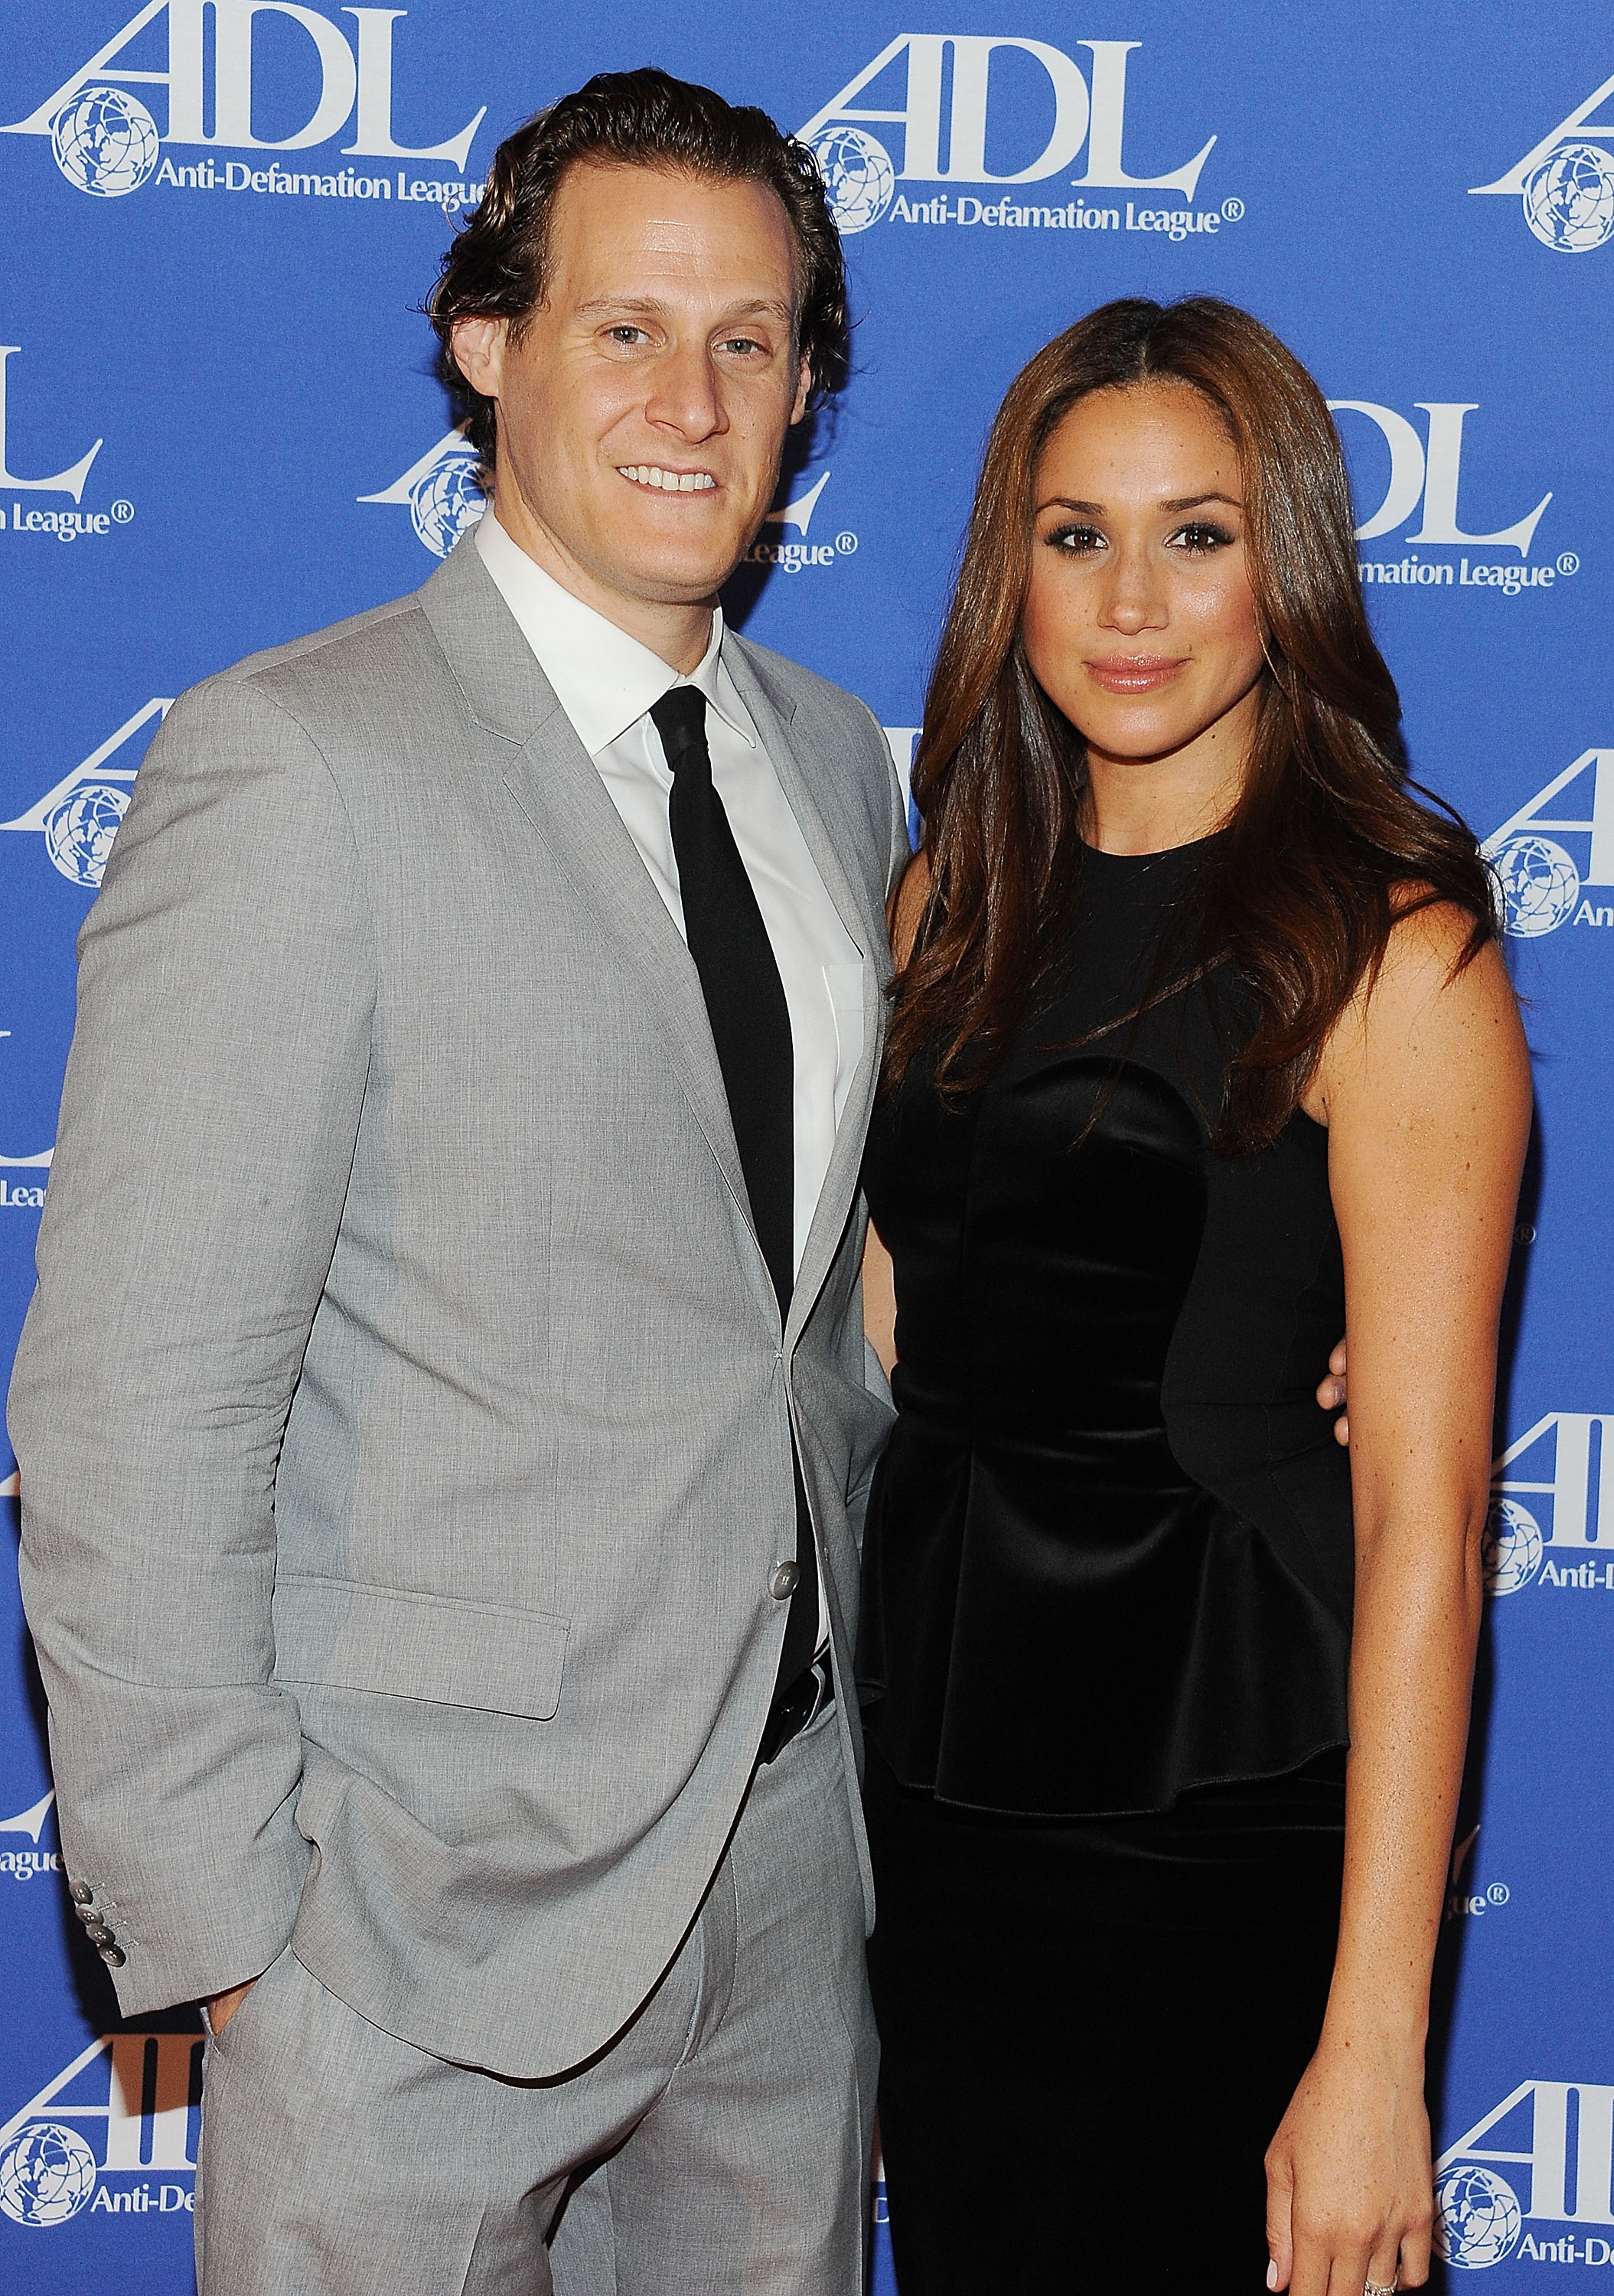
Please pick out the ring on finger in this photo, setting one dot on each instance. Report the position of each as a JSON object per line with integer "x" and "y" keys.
{"x": 1379, "y": 2288}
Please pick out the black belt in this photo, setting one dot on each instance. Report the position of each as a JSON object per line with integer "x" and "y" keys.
{"x": 800, "y": 1702}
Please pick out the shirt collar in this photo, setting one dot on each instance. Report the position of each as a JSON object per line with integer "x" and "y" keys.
{"x": 603, "y": 679}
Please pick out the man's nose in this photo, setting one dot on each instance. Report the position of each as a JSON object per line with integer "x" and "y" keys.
{"x": 687, "y": 396}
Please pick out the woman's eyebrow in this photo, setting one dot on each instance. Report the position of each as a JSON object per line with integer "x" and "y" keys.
{"x": 1192, "y": 501}
{"x": 1174, "y": 507}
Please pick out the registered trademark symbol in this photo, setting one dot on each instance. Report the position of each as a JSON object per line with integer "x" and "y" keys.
{"x": 1524, "y": 1232}
{"x": 1567, "y": 562}
{"x": 1233, "y": 211}
{"x": 123, "y": 511}
{"x": 846, "y": 543}
{"x": 1498, "y": 1893}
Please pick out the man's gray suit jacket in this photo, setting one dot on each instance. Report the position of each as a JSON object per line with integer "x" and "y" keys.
{"x": 403, "y": 1415}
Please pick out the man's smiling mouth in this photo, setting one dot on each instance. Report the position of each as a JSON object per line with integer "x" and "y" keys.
{"x": 667, "y": 482}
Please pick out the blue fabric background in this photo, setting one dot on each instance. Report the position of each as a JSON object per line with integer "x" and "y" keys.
{"x": 220, "y": 430}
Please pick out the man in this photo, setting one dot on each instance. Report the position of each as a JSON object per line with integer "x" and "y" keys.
{"x": 442, "y": 1418}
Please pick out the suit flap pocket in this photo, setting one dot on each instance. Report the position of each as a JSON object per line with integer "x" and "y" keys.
{"x": 427, "y": 1646}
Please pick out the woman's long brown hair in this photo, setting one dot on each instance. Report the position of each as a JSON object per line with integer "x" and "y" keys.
{"x": 1327, "y": 845}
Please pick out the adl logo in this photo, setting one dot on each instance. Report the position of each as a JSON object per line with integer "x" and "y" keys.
{"x": 80, "y": 817}
{"x": 862, "y": 176}
{"x": 1540, "y": 879}
{"x": 1478, "y": 2216}
{"x": 793, "y": 557}
{"x": 23, "y": 1864}
{"x": 106, "y": 141}
{"x": 1430, "y": 475}
{"x": 144, "y": 2089}
{"x": 1566, "y": 181}
{"x": 443, "y": 492}
{"x": 1576, "y": 1548}
{"x": 61, "y": 525}
{"x": 65, "y": 483}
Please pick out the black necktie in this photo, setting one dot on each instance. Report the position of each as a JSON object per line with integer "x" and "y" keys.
{"x": 750, "y": 1025}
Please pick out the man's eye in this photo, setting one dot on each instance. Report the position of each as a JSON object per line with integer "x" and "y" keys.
{"x": 1075, "y": 540}
{"x": 1200, "y": 538}
{"x": 628, "y": 335}
{"x": 743, "y": 345}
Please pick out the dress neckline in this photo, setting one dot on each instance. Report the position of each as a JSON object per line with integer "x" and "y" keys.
{"x": 1191, "y": 850}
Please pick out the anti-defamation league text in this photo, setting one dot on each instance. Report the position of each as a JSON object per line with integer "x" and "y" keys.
{"x": 1075, "y": 215}
{"x": 235, "y": 176}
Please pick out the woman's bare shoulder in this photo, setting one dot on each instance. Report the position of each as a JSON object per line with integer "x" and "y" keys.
{"x": 1435, "y": 1009}
{"x": 1430, "y": 952}
{"x": 1433, "y": 1001}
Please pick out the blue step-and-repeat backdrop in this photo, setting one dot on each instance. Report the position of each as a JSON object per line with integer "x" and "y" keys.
{"x": 218, "y": 428}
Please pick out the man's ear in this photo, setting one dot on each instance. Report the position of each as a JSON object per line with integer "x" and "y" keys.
{"x": 804, "y": 384}
{"x": 479, "y": 353}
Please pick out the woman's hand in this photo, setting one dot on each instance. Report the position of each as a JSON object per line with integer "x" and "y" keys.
{"x": 1330, "y": 1393}
{"x": 1349, "y": 2184}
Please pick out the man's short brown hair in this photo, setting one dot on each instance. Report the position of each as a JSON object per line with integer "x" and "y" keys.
{"x": 497, "y": 266}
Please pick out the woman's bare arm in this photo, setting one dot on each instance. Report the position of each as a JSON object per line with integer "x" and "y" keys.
{"x": 879, "y": 1301}
{"x": 1425, "y": 1090}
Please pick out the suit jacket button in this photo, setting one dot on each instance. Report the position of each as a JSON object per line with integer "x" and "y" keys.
{"x": 113, "y": 1956}
{"x": 86, "y": 1913}
{"x": 83, "y": 1895}
{"x": 98, "y": 1933}
{"x": 784, "y": 1581}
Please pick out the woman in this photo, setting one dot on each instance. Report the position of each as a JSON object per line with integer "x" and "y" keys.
{"x": 1202, "y": 1048}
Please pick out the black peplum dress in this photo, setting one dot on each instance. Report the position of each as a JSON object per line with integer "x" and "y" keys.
{"x": 1105, "y": 1634}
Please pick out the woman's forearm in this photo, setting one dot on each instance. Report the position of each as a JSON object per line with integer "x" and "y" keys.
{"x": 1417, "y": 1618}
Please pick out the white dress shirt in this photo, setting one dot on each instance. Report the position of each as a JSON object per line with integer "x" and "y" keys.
{"x": 606, "y": 681}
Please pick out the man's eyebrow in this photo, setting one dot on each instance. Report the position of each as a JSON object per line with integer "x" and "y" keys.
{"x": 654, "y": 307}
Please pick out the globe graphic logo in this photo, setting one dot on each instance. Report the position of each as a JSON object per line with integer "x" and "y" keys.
{"x": 857, "y": 175}
{"x": 447, "y": 501}
{"x": 105, "y": 141}
{"x": 1511, "y": 1547}
{"x": 1540, "y": 885}
{"x": 78, "y": 835}
{"x": 1477, "y": 2216}
{"x": 46, "y": 2174}
{"x": 1569, "y": 202}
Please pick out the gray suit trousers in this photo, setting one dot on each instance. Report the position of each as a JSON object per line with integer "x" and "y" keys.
{"x": 720, "y": 2144}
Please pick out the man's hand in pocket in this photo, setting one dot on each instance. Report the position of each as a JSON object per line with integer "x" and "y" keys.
{"x": 222, "y": 2007}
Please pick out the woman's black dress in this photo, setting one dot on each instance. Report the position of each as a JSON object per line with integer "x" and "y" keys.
{"x": 1106, "y": 1632}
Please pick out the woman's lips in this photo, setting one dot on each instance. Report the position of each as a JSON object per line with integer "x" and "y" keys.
{"x": 1134, "y": 672}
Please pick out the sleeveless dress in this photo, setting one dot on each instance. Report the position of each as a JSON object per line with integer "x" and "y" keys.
{"x": 1105, "y": 1634}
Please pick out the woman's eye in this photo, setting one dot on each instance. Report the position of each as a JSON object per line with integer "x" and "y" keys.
{"x": 1201, "y": 538}
{"x": 1075, "y": 540}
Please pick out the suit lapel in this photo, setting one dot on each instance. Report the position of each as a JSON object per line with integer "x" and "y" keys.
{"x": 554, "y": 781}
{"x": 810, "y": 784}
